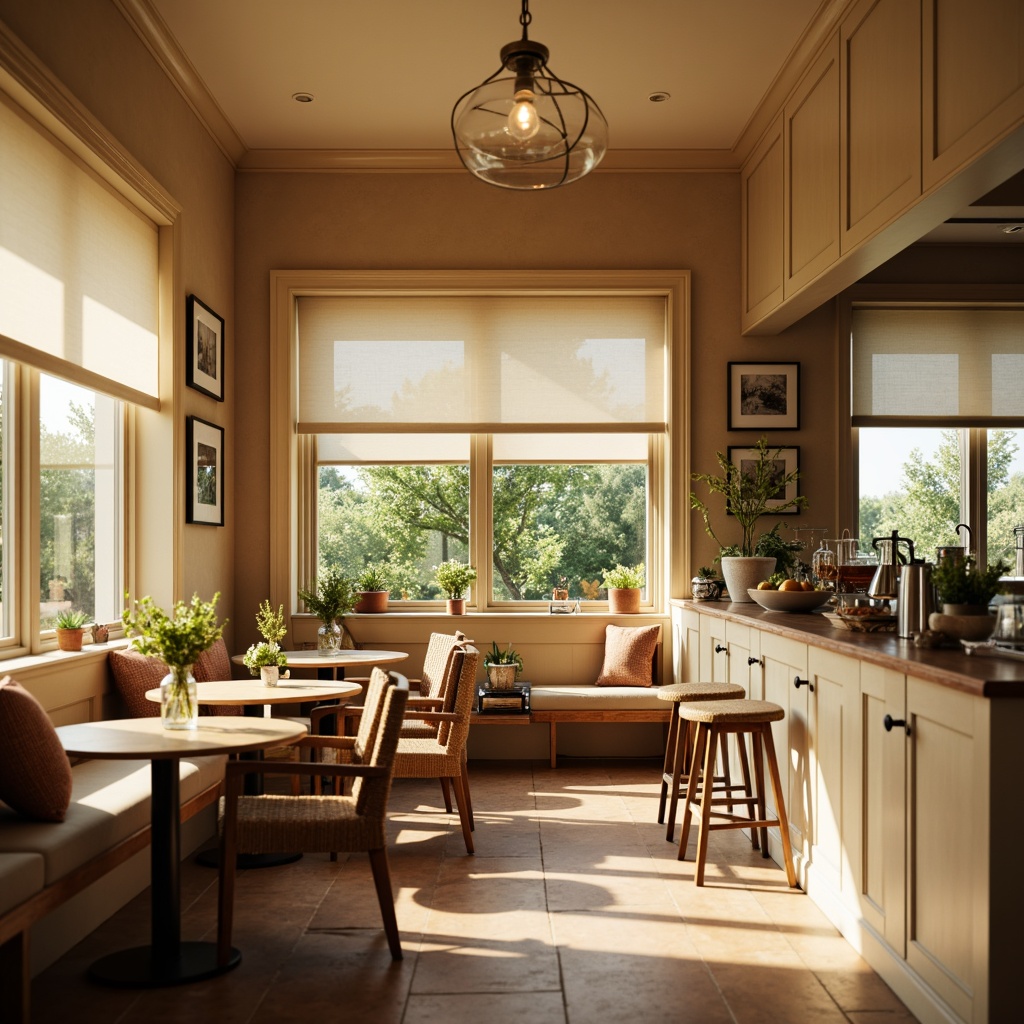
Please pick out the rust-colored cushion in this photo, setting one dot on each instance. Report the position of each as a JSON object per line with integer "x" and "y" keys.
{"x": 134, "y": 674}
{"x": 35, "y": 774}
{"x": 214, "y": 664}
{"x": 628, "y": 651}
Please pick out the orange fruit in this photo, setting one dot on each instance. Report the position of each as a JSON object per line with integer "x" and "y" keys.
{"x": 790, "y": 585}
{"x": 807, "y": 585}
{"x": 765, "y": 585}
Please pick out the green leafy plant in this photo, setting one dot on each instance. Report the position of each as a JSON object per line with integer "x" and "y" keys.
{"x": 706, "y": 572}
{"x": 69, "y": 619}
{"x": 497, "y": 656}
{"x": 747, "y": 495}
{"x": 961, "y": 581}
{"x": 375, "y": 577}
{"x": 625, "y": 577}
{"x": 270, "y": 623}
{"x": 329, "y": 596}
{"x": 453, "y": 577}
{"x": 262, "y": 655}
{"x": 176, "y": 639}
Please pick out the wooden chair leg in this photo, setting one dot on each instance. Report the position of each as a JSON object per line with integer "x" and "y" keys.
{"x": 780, "y": 806}
{"x": 551, "y": 744}
{"x": 447, "y": 794}
{"x": 668, "y": 764}
{"x": 469, "y": 796}
{"x": 386, "y": 899}
{"x": 741, "y": 744}
{"x": 706, "y": 797}
{"x": 679, "y": 758}
{"x": 691, "y": 790}
{"x": 726, "y": 770}
{"x": 460, "y": 799}
{"x": 226, "y": 891}
{"x": 759, "y": 782}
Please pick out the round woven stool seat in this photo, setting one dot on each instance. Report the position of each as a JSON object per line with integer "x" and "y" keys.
{"x": 722, "y": 712}
{"x": 699, "y": 691}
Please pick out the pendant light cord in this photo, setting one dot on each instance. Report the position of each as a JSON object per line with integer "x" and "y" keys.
{"x": 525, "y": 18}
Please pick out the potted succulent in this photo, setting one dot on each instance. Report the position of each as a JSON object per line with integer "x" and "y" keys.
{"x": 329, "y": 596}
{"x": 624, "y": 584}
{"x": 372, "y": 587}
{"x": 503, "y": 667}
{"x": 453, "y": 577}
{"x": 706, "y": 586}
{"x": 560, "y": 592}
{"x": 266, "y": 659}
{"x": 177, "y": 640}
{"x": 749, "y": 494}
{"x": 70, "y": 626}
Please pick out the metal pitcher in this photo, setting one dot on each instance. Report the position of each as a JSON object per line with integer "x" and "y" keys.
{"x": 917, "y": 599}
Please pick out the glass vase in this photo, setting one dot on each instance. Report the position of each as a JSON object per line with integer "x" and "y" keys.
{"x": 179, "y": 708}
{"x": 328, "y": 639}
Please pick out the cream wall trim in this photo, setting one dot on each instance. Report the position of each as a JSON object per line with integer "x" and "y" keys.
{"x": 286, "y": 464}
{"x": 153, "y": 31}
{"x": 32, "y": 85}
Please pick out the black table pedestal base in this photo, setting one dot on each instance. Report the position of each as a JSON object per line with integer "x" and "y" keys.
{"x": 142, "y": 967}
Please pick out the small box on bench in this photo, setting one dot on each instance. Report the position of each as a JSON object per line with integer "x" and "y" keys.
{"x": 507, "y": 702}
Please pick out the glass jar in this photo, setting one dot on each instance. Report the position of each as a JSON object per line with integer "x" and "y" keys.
{"x": 179, "y": 708}
{"x": 328, "y": 639}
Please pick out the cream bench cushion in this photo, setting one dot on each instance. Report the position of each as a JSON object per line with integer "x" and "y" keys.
{"x": 21, "y": 876}
{"x": 595, "y": 698}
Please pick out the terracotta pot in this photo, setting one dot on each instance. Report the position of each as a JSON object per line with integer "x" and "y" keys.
{"x": 372, "y": 602}
{"x": 624, "y": 600}
{"x": 559, "y": 595}
{"x": 70, "y": 639}
{"x": 456, "y": 606}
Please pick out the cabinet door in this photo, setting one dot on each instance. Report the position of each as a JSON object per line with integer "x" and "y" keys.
{"x": 811, "y": 121}
{"x": 834, "y": 767}
{"x": 714, "y": 651}
{"x": 972, "y": 80}
{"x": 762, "y": 203}
{"x": 879, "y": 858}
{"x": 685, "y": 645}
{"x": 947, "y": 841}
{"x": 880, "y": 115}
{"x": 785, "y": 661}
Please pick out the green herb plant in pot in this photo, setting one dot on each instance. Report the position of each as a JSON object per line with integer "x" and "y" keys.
{"x": 964, "y": 591}
{"x": 756, "y": 490}
{"x": 70, "y": 627}
{"x": 329, "y": 596}
{"x": 177, "y": 640}
{"x": 503, "y": 666}
{"x": 266, "y": 659}
{"x": 373, "y": 585}
{"x": 624, "y": 584}
{"x": 454, "y": 578}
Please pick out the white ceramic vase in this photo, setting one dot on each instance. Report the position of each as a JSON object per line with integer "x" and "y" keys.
{"x": 270, "y": 674}
{"x": 743, "y": 573}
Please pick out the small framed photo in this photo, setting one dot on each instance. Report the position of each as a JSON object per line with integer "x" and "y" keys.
{"x": 764, "y": 396}
{"x": 205, "y": 349}
{"x": 205, "y": 460}
{"x": 786, "y": 462}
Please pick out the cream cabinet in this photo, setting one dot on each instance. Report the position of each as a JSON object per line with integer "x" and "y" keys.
{"x": 763, "y": 184}
{"x": 880, "y": 116}
{"x": 685, "y": 645}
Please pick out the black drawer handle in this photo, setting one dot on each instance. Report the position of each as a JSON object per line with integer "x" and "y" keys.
{"x": 798, "y": 682}
{"x": 719, "y": 649}
{"x": 889, "y": 722}
{"x": 753, "y": 661}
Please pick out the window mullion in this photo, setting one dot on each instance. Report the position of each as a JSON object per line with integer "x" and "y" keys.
{"x": 481, "y": 505}
{"x": 974, "y": 487}
{"x": 28, "y": 479}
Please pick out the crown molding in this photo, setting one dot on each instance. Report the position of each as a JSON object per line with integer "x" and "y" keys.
{"x": 152, "y": 30}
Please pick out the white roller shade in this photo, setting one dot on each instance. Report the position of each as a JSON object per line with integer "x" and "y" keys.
{"x": 78, "y": 269}
{"x": 545, "y": 449}
{"x": 384, "y": 449}
{"x": 937, "y": 365}
{"x": 482, "y": 363}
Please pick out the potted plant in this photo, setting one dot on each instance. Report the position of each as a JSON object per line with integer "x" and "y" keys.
{"x": 266, "y": 659}
{"x": 70, "y": 628}
{"x": 705, "y": 586}
{"x": 372, "y": 587}
{"x": 453, "y": 577}
{"x": 329, "y": 596}
{"x": 177, "y": 640}
{"x": 749, "y": 494}
{"x": 966, "y": 589}
{"x": 624, "y": 584}
{"x": 503, "y": 666}
{"x": 560, "y": 592}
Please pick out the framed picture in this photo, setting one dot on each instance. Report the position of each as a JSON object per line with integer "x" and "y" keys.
{"x": 205, "y": 460}
{"x": 205, "y": 349}
{"x": 787, "y": 461}
{"x": 764, "y": 396}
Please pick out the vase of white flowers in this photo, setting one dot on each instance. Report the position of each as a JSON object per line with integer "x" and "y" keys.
{"x": 266, "y": 659}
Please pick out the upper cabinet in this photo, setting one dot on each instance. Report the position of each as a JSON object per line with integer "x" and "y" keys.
{"x": 763, "y": 183}
{"x": 880, "y": 115}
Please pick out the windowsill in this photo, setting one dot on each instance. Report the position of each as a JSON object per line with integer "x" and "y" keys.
{"x": 55, "y": 657}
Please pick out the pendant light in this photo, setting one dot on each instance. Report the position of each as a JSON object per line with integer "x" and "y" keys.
{"x": 525, "y": 128}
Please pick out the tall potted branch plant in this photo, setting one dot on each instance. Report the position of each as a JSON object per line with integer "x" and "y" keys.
{"x": 749, "y": 494}
{"x": 329, "y": 596}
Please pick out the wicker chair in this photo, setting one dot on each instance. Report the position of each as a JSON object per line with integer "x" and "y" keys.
{"x": 443, "y": 756}
{"x": 321, "y": 823}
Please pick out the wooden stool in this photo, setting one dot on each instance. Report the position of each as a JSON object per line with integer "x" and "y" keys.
{"x": 714, "y": 719}
{"x": 680, "y": 741}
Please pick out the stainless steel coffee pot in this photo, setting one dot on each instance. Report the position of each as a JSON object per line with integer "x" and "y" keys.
{"x": 916, "y": 600}
{"x": 885, "y": 582}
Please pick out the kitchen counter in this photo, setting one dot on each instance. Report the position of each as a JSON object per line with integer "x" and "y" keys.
{"x": 979, "y": 675}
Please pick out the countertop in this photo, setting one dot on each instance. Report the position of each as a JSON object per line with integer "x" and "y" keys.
{"x": 980, "y": 675}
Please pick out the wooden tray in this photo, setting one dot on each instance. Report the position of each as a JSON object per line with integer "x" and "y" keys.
{"x": 863, "y": 623}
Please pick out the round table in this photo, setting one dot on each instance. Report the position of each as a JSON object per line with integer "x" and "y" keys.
{"x": 167, "y": 960}
{"x": 345, "y": 658}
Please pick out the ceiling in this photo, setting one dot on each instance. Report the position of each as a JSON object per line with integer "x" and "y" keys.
{"x": 384, "y": 75}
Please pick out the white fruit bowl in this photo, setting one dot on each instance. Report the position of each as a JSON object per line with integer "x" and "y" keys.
{"x": 789, "y": 600}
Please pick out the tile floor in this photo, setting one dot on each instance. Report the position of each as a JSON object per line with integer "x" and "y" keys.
{"x": 574, "y": 910}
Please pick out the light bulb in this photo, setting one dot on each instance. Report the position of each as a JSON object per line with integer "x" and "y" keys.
{"x": 523, "y": 122}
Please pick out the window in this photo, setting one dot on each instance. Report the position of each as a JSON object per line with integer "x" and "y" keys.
{"x": 937, "y": 393}
{"x": 7, "y": 469}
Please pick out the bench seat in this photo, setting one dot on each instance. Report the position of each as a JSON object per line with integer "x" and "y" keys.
{"x": 21, "y": 876}
{"x": 593, "y": 698}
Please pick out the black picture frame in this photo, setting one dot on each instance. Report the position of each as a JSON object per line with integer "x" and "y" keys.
{"x": 205, "y": 481}
{"x": 764, "y": 396}
{"x": 205, "y": 347}
{"x": 789, "y": 456}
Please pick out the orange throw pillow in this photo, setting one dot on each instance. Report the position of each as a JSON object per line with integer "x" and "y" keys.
{"x": 628, "y": 652}
{"x": 35, "y": 774}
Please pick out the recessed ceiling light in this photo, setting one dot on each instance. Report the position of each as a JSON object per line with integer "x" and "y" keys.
{"x": 659, "y": 97}
{"x": 1012, "y": 229}
{"x": 302, "y": 97}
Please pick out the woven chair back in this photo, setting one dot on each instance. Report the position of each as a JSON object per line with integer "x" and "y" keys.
{"x": 459, "y": 697}
{"x": 369, "y": 720}
{"x": 437, "y": 662}
{"x": 371, "y": 795}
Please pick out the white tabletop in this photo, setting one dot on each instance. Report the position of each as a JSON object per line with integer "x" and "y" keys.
{"x": 252, "y": 691}
{"x": 339, "y": 659}
{"x": 126, "y": 738}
